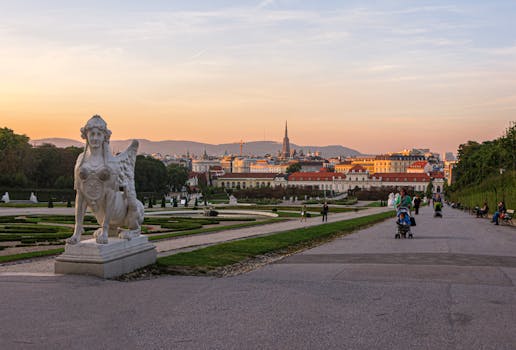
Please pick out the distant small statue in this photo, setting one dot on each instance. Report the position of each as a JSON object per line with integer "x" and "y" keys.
{"x": 390, "y": 200}
{"x": 5, "y": 198}
{"x": 33, "y": 198}
{"x": 233, "y": 200}
{"x": 105, "y": 184}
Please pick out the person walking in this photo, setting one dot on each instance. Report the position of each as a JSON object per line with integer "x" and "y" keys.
{"x": 324, "y": 212}
{"x": 417, "y": 203}
{"x": 403, "y": 200}
{"x": 303, "y": 213}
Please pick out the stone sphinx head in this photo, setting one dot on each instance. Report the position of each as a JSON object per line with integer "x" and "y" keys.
{"x": 95, "y": 132}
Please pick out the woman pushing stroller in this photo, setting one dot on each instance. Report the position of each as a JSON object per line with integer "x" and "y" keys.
{"x": 403, "y": 205}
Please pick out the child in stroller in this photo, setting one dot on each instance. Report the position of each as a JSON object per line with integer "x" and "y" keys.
{"x": 438, "y": 206}
{"x": 403, "y": 223}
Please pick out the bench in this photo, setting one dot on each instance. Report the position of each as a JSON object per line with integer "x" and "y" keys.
{"x": 507, "y": 219}
{"x": 479, "y": 213}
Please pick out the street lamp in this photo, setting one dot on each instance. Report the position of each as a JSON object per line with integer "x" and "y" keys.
{"x": 502, "y": 170}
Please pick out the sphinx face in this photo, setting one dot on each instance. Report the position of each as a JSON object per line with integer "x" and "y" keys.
{"x": 95, "y": 137}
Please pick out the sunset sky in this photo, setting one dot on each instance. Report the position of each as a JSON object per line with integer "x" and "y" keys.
{"x": 376, "y": 76}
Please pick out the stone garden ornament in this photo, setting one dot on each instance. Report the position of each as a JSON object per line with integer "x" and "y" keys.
{"x": 105, "y": 184}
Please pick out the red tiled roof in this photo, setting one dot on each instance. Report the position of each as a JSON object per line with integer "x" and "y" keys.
{"x": 315, "y": 176}
{"x": 437, "y": 175}
{"x": 248, "y": 176}
{"x": 418, "y": 165}
{"x": 403, "y": 177}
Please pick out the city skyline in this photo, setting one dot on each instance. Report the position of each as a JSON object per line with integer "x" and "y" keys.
{"x": 372, "y": 76}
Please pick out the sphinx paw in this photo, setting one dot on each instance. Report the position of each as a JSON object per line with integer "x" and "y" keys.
{"x": 102, "y": 239}
{"x": 74, "y": 239}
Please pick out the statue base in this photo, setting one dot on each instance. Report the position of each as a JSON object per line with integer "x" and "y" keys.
{"x": 110, "y": 260}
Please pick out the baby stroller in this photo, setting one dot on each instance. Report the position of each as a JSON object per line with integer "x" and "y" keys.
{"x": 403, "y": 224}
{"x": 438, "y": 207}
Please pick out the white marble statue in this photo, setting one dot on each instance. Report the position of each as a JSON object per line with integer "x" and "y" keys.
{"x": 33, "y": 198}
{"x": 5, "y": 198}
{"x": 105, "y": 184}
{"x": 233, "y": 200}
{"x": 390, "y": 200}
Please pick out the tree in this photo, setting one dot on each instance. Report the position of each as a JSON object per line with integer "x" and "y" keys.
{"x": 177, "y": 176}
{"x": 429, "y": 190}
{"x": 150, "y": 175}
{"x": 14, "y": 155}
{"x": 293, "y": 168}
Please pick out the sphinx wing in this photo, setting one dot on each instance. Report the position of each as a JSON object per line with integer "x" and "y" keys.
{"x": 127, "y": 161}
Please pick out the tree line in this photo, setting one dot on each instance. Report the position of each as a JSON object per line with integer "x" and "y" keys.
{"x": 49, "y": 167}
{"x": 478, "y": 161}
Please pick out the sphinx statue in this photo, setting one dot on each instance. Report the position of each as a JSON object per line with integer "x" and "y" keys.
{"x": 105, "y": 184}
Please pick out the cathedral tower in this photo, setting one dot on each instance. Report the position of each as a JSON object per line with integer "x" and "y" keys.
{"x": 285, "y": 151}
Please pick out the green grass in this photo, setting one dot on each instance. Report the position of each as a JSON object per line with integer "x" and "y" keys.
{"x": 30, "y": 255}
{"x": 373, "y": 205}
{"x": 233, "y": 252}
{"x": 214, "y": 229}
{"x": 33, "y": 232}
{"x": 31, "y": 205}
{"x": 62, "y": 219}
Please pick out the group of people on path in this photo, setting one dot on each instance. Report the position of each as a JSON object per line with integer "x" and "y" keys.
{"x": 324, "y": 212}
{"x": 500, "y": 212}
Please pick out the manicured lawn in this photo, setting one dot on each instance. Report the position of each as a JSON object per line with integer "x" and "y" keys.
{"x": 233, "y": 252}
{"x": 32, "y": 205}
{"x": 22, "y": 256}
{"x": 213, "y": 229}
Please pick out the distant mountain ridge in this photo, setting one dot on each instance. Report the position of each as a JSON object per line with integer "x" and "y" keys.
{"x": 257, "y": 148}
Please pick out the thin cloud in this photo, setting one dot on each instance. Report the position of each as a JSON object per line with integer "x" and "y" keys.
{"x": 266, "y": 3}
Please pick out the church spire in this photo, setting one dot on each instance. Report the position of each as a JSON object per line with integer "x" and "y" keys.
{"x": 285, "y": 151}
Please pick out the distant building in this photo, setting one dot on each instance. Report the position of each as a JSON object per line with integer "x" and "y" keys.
{"x": 343, "y": 167}
{"x": 242, "y": 165}
{"x": 312, "y": 166}
{"x": 227, "y": 164}
{"x": 449, "y": 171}
{"x": 366, "y": 162}
{"x": 419, "y": 167}
{"x": 395, "y": 163}
{"x": 204, "y": 164}
{"x": 264, "y": 166}
{"x": 247, "y": 180}
{"x": 449, "y": 157}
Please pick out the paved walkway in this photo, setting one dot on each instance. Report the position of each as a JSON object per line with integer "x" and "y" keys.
{"x": 451, "y": 287}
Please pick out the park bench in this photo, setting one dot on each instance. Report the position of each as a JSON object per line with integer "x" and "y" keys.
{"x": 507, "y": 219}
{"x": 479, "y": 213}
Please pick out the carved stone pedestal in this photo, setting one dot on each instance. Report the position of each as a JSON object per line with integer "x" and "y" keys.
{"x": 117, "y": 257}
